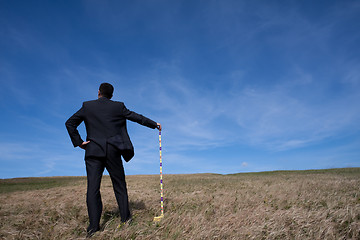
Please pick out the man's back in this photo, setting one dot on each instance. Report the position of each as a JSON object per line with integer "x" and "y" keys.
{"x": 105, "y": 122}
{"x": 104, "y": 118}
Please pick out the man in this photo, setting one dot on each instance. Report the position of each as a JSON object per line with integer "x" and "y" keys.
{"x": 107, "y": 140}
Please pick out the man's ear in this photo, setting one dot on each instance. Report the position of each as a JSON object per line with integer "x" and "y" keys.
{"x": 99, "y": 93}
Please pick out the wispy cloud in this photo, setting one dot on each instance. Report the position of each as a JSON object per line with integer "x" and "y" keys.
{"x": 276, "y": 117}
{"x": 12, "y": 87}
{"x": 38, "y": 158}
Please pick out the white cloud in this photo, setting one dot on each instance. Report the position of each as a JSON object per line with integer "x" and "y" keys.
{"x": 276, "y": 118}
{"x": 39, "y": 158}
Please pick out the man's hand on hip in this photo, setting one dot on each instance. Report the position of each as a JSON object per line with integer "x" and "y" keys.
{"x": 83, "y": 145}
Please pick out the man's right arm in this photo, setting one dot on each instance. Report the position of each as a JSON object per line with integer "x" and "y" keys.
{"x": 135, "y": 117}
{"x": 71, "y": 125}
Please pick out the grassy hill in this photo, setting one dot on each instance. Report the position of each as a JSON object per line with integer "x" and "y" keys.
{"x": 315, "y": 204}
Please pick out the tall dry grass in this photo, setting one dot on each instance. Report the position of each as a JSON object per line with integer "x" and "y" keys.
{"x": 277, "y": 205}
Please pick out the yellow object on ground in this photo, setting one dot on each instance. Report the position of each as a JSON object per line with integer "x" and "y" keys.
{"x": 157, "y": 219}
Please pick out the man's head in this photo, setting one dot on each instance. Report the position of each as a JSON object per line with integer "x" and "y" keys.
{"x": 106, "y": 90}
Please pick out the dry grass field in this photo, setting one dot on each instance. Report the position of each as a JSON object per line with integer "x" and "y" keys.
{"x": 322, "y": 204}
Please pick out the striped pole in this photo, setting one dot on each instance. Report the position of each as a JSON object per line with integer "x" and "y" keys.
{"x": 161, "y": 184}
{"x": 161, "y": 178}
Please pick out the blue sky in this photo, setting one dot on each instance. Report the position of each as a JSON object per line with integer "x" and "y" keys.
{"x": 239, "y": 86}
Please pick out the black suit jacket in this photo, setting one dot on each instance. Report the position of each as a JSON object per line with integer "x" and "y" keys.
{"x": 105, "y": 122}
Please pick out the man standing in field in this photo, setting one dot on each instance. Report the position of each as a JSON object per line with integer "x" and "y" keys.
{"x": 107, "y": 140}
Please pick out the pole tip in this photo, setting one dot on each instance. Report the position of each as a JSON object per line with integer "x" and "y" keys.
{"x": 157, "y": 219}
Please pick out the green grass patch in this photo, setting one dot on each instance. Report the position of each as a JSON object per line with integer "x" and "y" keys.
{"x": 36, "y": 183}
{"x": 337, "y": 171}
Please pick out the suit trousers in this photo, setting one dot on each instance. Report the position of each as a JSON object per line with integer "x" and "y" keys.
{"x": 94, "y": 168}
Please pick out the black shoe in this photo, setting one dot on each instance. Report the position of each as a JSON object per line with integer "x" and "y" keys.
{"x": 91, "y": 231}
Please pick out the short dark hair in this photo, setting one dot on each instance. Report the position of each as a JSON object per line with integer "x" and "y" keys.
{"x": 106, "y": 90}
